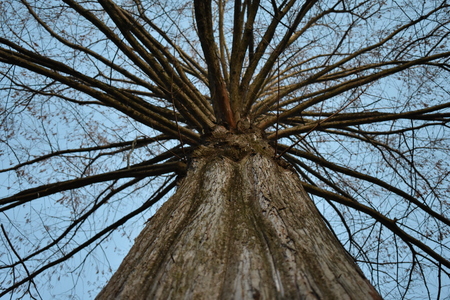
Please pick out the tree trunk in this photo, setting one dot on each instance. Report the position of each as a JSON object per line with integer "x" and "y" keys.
{"x": 240, "y": 226}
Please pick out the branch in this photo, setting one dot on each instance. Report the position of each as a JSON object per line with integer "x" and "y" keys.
{"x": 260, "y": 79}
{"x": 219, "y": 93}
{"x": 155, "y": 198}
{"x": 346, "y": 120}
{"x": 390, "y": 224}
{"x": 21, "y": 261}
{"x": 325, "y": 163}
{"x": 53, "y": 188}
{"x": 172, "y": 80}
{"x": 80, "y": 220}
{"x": 138, "y": 143}
{"x": 346, "y": 86}
{"x": 128, "y": 104}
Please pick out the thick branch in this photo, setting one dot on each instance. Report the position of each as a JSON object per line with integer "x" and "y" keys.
{"x": 171, "y": 79}
{"x": 129, "y": 104}
{"x": 219, "y": 93}
{"x": 260, "y": 79}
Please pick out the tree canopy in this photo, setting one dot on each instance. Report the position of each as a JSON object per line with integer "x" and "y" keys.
{"x": 102, "y": 103}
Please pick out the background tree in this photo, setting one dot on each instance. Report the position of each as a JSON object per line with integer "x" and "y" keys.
{"x": 105, "y": 104}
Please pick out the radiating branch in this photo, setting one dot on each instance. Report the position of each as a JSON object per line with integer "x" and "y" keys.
{"x": 389, "y": 223}
{"x": 353, "y": 173}
{"x": 53, "y": 188}
{"x": 99, "y": 236}
{"x": 219, "y": 94}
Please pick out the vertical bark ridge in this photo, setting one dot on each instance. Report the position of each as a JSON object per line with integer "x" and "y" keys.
{"x": 239, "y": 227}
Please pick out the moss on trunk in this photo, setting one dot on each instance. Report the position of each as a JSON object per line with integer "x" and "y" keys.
{"x": 240, "y": 226}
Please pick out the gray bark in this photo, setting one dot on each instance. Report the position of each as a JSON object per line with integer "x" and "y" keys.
{"x": 240, "y": 226}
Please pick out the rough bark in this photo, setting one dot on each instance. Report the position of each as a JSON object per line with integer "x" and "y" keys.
{"x": 240, "y": 226}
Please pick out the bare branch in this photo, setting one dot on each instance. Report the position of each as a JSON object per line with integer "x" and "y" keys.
{"x": 49, "y": 189}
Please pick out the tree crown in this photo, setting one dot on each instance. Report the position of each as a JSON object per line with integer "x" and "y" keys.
{"x": 104, "y": 101}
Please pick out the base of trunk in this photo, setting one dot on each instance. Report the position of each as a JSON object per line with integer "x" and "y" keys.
{"x": 239, "y": 227}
